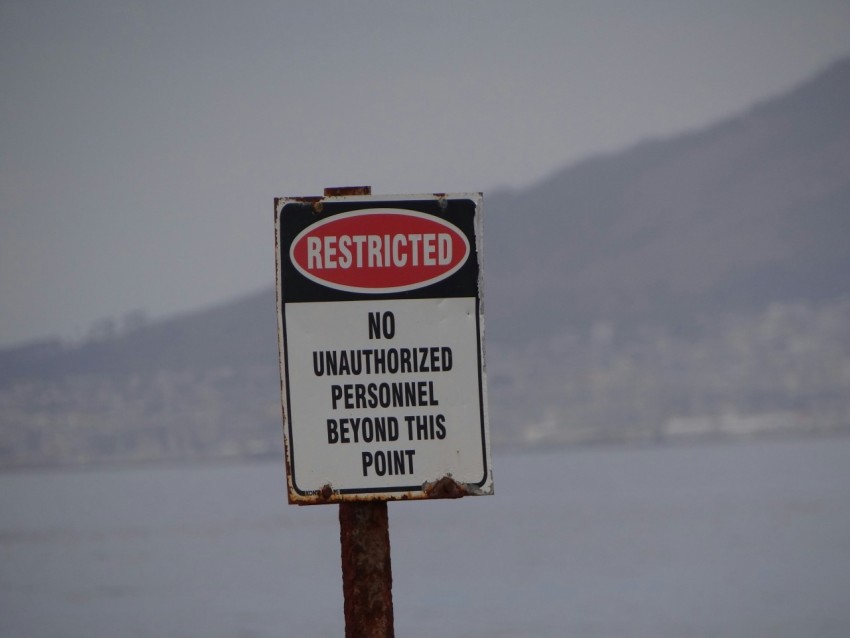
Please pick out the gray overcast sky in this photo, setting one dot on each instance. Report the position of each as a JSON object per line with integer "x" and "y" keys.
{"x": 143, "y": 142}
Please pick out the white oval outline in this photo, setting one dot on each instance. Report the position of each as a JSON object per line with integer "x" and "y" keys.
{"x": 365, "y": 212}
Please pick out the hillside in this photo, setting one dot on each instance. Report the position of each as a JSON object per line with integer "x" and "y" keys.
{"x": 753, "y": 210}
{"x": 695, "y": 285}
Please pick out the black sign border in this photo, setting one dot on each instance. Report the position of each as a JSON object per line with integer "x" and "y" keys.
{"x": 301, "y": 215}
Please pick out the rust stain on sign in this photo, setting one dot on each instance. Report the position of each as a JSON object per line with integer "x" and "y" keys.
{"x": 446, "y": 487}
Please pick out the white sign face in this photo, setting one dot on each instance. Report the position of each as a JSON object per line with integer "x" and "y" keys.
{"x": 381, "y": 340}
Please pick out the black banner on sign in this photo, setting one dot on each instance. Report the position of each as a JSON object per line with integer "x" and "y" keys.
{"x": 297, "y": 217}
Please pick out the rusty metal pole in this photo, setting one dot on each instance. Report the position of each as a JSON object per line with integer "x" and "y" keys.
{"x": 366, "y": 571}
{"x": 364, "y": 536}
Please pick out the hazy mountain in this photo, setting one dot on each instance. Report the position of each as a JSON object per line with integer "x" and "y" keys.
{"x": 753, "y": 210}
{"x": 696, "y": 284}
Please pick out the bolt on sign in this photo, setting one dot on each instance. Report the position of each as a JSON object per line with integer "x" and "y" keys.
{"x": 381, "y": 342}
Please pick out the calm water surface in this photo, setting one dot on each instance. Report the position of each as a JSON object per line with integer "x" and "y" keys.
{"x": 746, "y": 539}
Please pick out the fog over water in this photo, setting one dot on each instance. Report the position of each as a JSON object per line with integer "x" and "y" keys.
{"x": 746, "y": 539}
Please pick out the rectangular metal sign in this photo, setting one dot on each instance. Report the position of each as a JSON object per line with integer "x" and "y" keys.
{"x": 381, "y": 341}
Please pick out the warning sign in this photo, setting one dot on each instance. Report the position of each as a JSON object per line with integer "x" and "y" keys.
{"x": 381, "y": 342}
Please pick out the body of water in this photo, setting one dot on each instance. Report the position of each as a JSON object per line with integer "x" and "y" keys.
{"x": 740, "y": 539}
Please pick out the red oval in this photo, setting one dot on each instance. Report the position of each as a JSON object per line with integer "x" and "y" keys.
{"x": 379, "y": 250}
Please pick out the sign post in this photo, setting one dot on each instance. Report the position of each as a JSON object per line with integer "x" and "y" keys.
{"x": 381, "y": 342}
